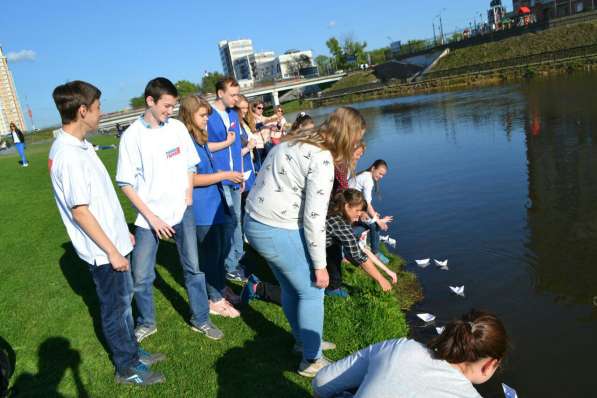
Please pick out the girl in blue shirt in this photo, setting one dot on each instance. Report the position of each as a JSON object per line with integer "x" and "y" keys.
{"x": 209, "y": 207}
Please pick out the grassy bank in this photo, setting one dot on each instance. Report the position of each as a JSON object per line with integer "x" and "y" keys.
{"x": 353, "y": 79}
{"x": 49, "y": 311}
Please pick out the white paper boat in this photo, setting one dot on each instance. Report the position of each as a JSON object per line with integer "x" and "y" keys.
{"x": 459, "y": 290}
{"x": 384, "y": 238}
{"x": 426, "y": 317}
{"x": 444, "y": 268}
{"x": 441, "y": 263}
{"x": 440, "y": 329}
{"x": 247, "y": 174}
{"x": 423, "y": 262}
{"x": 391, "y": 242}
{"x": 509, "y": 392}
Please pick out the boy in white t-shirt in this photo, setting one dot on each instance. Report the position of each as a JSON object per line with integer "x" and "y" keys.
{"x": 156, "y": 163}
{"x": 97, "y": 228}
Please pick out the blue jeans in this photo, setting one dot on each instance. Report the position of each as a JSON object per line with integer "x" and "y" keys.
{"x": 143, "y": 267}
{"x": 213, "y": 246}
{"x": 374, "y": 234}
{"x": 21, "y": 150}
{"x": 115, "y": 293}
{"x": 285, "y": 251}
{"x": 234, "y": 230}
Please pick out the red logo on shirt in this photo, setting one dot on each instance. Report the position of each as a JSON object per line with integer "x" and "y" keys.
{"x": 173, "y": 152}
{"x": 50, "y": 164}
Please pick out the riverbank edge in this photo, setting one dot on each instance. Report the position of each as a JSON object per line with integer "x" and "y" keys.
{"x": 466, "y": 81}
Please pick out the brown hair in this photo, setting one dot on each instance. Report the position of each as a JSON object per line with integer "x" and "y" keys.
{"x": 189, "y": 105}
{"x": 339, "y": 134}
{"x": 301, "y": 120}
{"x": 224, "y": 83}
{"x": 255, "y": 103}
{"x": 69, "y": 97}
{"x": 475, "y": 336}
{"x": 249, "y": 119}
{"x": 350, "y": 197}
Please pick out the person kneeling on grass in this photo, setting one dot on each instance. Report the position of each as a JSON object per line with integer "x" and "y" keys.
{"x": 467, "y": 352}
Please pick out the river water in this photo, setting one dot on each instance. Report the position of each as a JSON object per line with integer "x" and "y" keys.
{"x": 501, "y": 181}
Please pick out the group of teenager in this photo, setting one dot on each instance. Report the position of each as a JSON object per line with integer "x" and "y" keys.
{"x": 223, "y": 173}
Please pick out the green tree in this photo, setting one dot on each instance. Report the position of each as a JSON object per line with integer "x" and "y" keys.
{"x": 334, "y": 46}
{"x": 137, "y": 102}
{"x": 356, "y": 49}
{"x": 208, "y": 83}
{"x": 323, "y": 63}
{"x": 186, "y": 87}
{"x": 380, "y": 55}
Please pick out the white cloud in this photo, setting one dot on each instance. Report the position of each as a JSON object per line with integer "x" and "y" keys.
{"x": 23, "y": 55}
{"x": 332, "y": 24}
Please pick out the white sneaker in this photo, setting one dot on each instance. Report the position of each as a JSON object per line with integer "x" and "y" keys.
{"x": 223, "y": 308}
{"x": 310, "y": 369}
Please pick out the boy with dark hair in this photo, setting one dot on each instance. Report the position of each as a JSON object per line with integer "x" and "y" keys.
{"x": 225, "y": 144}
{"x": 156, "y": 163}
{"x": 97, "y": 228}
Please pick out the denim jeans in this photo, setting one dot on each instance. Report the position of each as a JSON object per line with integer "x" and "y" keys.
{"x": 115, "y": 293}
{"x": 234, "y": 230}
{"x": 21, "y": 150}
{"x": 374, "y": 234}
{"x": 213, "y": 246}
{"x": 286, "y": 253}
{"x": 143, "y": 267}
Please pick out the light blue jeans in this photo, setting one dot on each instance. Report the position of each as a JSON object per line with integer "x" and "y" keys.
{"x": 143, "y": 269}
{"x": 234, "y": 230}
{"x": 286, "y": 253}
{"x": 21, "y": 150}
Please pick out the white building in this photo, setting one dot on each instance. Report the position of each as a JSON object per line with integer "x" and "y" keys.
{"x": 234, "y": 56}
{"x": 288, "y": 65}
{"x": 10, "y": 108}
{"x": 263, "y": 65}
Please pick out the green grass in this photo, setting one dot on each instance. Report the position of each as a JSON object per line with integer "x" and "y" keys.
{"x": 354, "y": 79}
{"x": 49, "y": 312}
{"x": 554, "y": 39}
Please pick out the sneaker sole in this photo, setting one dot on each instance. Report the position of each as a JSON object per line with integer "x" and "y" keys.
{"x": 146, "y": 335}
{"x": 194, "y": 329}
{"x": 306, "y": 374}
{"x": 120, "y": 380}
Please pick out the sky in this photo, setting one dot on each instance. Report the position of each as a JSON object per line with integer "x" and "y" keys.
{"x": 120, "y": 45}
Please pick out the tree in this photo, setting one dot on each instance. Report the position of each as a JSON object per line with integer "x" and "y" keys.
{"x": 208, "y": 83}
{"x": 137, "y": 102}
{"x": 380, "y": 55}
{"x": 350, "y": 49}
{"x": 334, "y": 46}
{"x": 186, "y": 87}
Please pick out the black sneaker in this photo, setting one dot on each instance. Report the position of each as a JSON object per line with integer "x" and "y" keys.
{"x": 139, "y": 375}
{"x": 149, "y": 359}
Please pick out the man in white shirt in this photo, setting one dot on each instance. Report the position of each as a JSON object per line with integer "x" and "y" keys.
{"x": 156, "y": 163}
{"x": 97, "y": 228}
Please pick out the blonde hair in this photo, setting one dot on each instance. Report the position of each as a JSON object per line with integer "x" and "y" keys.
{"x": 249, "y": 119}
{"x": 340, "y": 134}
{"x": 189, "y": 105}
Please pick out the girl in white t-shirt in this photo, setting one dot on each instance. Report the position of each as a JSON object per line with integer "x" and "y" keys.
{"x": 367, "y": 181}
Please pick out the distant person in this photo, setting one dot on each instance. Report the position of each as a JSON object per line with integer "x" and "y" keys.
{"x": 367, "y": 181}
{"x": 119, "y": 130}
{"x": 18, "y": 138}
{"x": 212, "y": 214}
{"x": 96, "y": 226}
{"x": 156, "y": 165}
{"x": 302, "y": 122}
{"x": 285, "y": 222}
{"x": 221, "y": 125}
{"x": 248, "y": 143}
{"x": 467, "y": 352}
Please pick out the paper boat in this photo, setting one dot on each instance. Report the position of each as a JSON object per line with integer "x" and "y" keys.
{"x": 509, "y": 392}
{"x": 391, "y": 242}
{"x": 426, "y": 317}
{"x": 440, "y": 329}
{"x": 441, "y": 263}
{"x": 459, "y": 290}
{"x": 384, "y": 238}
{"x": 247, "y": 174}
{"x": 423, "y": 263}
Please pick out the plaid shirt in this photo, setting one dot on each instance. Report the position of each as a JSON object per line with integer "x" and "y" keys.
{"x": 339, "y": 231}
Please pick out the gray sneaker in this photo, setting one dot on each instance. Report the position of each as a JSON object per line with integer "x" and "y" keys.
{"x": 142, "y": 331}
{"x": 209, "y": 330}
{"x": 140, "y": 375}
{"x": 148, "y": 359}
{"x": 310, "y": 369}
{"x": 325, "y": 346}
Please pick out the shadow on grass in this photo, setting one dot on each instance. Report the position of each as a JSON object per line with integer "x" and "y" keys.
{"x": 79, "y": 279}
{"x": 257, "y": 368}
{"x": 55, "y": 357}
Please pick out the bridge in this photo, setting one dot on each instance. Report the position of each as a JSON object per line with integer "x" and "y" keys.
{"x": 108, "y": 121}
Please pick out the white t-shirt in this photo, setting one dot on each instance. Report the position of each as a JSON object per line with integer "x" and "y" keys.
{"x": 156, "y": 162}
{"x": 363, "y": 182}
{"x": 80, "y": 178}
{"x": 15, "y": 137}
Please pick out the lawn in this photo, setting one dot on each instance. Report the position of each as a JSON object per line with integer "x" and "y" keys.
{"x": 49, "y": 311}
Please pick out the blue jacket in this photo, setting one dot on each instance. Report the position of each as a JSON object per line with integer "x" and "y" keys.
{"x": 209, "y": 204}
{"x": 248, "y": 163}
{"x": 216, "y": 132}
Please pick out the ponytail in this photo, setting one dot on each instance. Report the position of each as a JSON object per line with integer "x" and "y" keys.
{"x": 476, "y": 335}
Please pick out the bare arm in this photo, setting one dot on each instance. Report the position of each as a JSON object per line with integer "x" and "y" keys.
{"x": 203, "y": 180}
{"x": 370, "y": 269}
{"x": 160, "y": 227}
{"x": 89, "y": 224}
{"x": 375, "y": 260}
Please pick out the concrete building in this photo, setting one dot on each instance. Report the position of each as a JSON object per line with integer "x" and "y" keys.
{"x": 289, "y": 65}
{"x": 263, "y": 65}
{"x": 10, "y": 108}
{"x": 233, "y": 55}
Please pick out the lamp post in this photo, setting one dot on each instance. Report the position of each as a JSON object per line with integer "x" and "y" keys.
{"x": 441, "y": 26}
